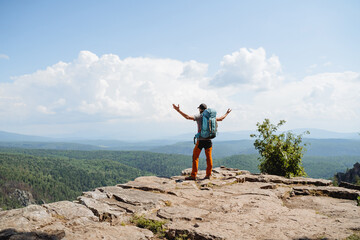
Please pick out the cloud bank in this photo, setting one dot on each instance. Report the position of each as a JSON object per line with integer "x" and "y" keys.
{"x": 103, "y": 89}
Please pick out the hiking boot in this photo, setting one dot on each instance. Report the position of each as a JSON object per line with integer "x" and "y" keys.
{"x": 190, "y": 178}
{"x": 207, "y": 177}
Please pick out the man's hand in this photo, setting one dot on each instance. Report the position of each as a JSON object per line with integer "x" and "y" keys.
{"x": 224, "y": 116}
{"x": 177, "y": 108}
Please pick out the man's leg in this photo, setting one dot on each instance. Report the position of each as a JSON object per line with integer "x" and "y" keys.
{"x": 195, "y": 164}
{"x": 209, "y": 162}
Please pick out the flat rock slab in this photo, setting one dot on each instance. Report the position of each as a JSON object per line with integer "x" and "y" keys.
{"x": 63, "y": 220}
{"x": 283, "y": 180}
{"x": 102, "y": 209}
{"x": 182, "y": 213}
{"x": 140, "y": 198}
{"x": 105, "y": 231}
{"x": 23, "y": 219}
{"x": 234, "y": 204}
{"x": 151, "y": 183}
{"x": 219, "y": 172}
{"x": 68, "y": 210}
{"x": 335, "y": 192}
{"x": 337, "y": 208}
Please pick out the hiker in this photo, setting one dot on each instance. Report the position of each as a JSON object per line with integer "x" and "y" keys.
{"x": 200, "y": 143}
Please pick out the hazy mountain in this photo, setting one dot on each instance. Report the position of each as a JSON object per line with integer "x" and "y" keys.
{"x": 8, "y": 139}
{"x": 122, "y": 145}
{"x": 321, "y": 143}
{"x": 14, "y": 137}
{"x": 315, "y": 147}
{"x": 221, "y": 136}
{"x": 245, "y": 135}
{"x": 332, "y": 147}
{"x": 49, "y": 145}
{"x": 324, "y": 134}
{"x": 220, "y": 149}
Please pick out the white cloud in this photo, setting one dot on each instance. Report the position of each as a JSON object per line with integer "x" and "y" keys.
{"x": 44, "y": 110}
{"x": 103, "y": 92}
{"x": 250, "y": 68}
{"x": 109, "y": 87}
{"x": 4, "y": 56}
{"x": 328, "y": 100}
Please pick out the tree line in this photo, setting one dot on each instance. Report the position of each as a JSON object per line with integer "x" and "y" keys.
{"x": 54, "y": 175}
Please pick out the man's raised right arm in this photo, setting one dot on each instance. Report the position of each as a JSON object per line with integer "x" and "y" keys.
{"x": 177, "y": 108}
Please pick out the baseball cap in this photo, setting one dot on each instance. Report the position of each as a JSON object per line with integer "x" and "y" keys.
{"x": 202, "y": 106}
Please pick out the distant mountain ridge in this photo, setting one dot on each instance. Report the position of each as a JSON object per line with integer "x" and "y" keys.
{"x": 222, "y": 136}
{"x": 317, "y": 146}
{"x": 15, "y": 137}
{"x": 324, "y": 134}
{"x": 245, "y": 135}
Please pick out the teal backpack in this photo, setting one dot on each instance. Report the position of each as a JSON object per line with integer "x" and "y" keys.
{"x": 209, "y": 125}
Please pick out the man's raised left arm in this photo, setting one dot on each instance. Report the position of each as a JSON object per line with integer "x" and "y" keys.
{"x": 224, "y": 116}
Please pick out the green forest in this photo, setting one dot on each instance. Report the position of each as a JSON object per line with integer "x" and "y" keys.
{"x": 54, "y": 175}
{"x": 55, "y": 178}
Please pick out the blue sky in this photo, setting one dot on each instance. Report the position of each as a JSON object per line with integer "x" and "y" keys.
{"x": 75, "y": 67}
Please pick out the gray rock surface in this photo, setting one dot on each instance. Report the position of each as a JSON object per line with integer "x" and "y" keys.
{"x": 25, "y": 198}
{"x": 234, "y": 204}
{"x": 351, "y": 175}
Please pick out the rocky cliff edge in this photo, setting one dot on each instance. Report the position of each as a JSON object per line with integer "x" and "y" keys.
{"x": 234, "y": 204}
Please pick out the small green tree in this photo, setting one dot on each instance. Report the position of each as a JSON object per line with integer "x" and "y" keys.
{"x": 357, "y": 180}
{"x": 279, "y": 154}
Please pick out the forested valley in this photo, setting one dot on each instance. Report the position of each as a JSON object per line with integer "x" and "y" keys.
{"x": 54, "y": 175}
